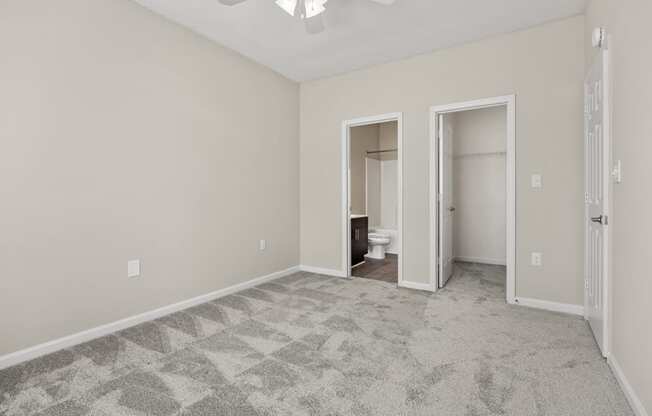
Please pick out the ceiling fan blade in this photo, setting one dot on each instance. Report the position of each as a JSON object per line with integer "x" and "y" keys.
{"x": 314, "y": 24}
{"x": 231, "y": 2}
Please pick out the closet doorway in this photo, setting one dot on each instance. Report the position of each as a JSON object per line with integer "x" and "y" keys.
{"x": 472, "y": 194}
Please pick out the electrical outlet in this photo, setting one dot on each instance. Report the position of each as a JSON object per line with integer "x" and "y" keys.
{"x": 537, "y": 259}
{"x": 262, "y": 245}
{"x": 133, "y": 268}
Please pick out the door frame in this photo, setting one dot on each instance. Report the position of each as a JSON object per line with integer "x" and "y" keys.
{"x": 509, "y": 101}
{"x": 346, "y": 186}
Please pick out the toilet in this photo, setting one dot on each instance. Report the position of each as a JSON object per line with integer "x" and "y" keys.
{"x": 378, "y": 243}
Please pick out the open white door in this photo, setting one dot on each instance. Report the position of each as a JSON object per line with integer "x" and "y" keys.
{"x": 597, "y": 182}
{"x": 446, "y": 208}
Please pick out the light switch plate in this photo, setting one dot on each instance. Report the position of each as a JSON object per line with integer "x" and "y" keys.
{"x": 617, "y": 172}
{"x": 537, "y": 181}
{"x": 537, "y": 259}
{"x": 133, "y": 268}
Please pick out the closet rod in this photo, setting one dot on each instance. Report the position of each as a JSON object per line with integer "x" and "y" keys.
{"x": 480, "y": 154}
{"x": 381, "y": 151}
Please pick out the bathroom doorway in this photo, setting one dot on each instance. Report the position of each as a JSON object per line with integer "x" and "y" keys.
{"x": 372, "y": 198}
{"x": 472, "y": 189}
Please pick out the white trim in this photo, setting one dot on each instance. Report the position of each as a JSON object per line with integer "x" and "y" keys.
{"x": 550, "y": 306}
{"x": 102, "y": 330}
{"x": 510, "y": 102}
{"x": 325, "y": 272}
{"x": 609, "y": 192}
{"x": 497, "y": 262}
{"x": 345, "y": 211}
{"x": 416, "y": 286}
{"x": 630, "y": 394}
{"x": 346, "y": 191}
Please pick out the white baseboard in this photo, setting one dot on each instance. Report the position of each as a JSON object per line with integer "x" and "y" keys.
{"x": 481, "y": 260}
{"x": 632, "y": 398}
{"x": 550, "y": 306}
{"x": 100, "y": 331}
{"x": 326, "y": 272}
{"x": 416, "y": 286}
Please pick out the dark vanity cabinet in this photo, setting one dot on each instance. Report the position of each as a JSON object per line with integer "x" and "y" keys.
{"x": 359, "y": 243}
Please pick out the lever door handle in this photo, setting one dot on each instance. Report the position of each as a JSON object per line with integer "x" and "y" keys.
{"x": 452, "y": 209}
{"x": 602, "y": 219}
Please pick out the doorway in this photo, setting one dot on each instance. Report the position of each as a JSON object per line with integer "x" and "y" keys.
{"x": 372, "y": 197}
{"x": 472, "y": 177}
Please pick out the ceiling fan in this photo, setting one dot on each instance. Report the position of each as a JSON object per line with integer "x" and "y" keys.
{"x": 310, "y": 11}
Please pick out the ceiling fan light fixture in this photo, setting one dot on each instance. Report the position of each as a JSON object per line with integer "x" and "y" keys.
{"x": 288, "y": 5}
{"x": 314, "y": 7}
{"x": 309, "y": 11}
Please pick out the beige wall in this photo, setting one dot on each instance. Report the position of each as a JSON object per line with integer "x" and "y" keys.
{"x": 479, "y": 193}
{"x": 544, "y": 67}
{"x": 363, "y": 139}
{"x": 124, "y": 136}
{"x": 388, "y": 139}
{"x": 628, "y": 22}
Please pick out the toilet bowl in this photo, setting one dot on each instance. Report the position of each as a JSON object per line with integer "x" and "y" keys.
{"x": 378, "y": 243}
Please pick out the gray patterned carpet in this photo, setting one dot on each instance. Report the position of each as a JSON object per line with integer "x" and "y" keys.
{"x": 312, "y": 345}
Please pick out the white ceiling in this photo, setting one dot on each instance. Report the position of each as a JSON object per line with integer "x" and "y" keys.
{"x": 358, "y": 33}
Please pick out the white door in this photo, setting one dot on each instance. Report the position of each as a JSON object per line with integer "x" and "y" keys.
{"x": 446, "y": 208}
{"x": 597, "y": 181}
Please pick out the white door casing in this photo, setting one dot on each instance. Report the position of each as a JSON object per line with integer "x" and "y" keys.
{"x": 346, "y": 192}
{"x": 597, "y": 156}
{"x": 446, "y": 208}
